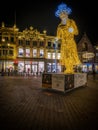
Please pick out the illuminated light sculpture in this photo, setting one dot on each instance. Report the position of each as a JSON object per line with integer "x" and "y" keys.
{"x": 66, "y": 31}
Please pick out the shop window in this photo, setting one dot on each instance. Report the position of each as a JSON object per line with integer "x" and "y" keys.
{"x": 48, "y": 67}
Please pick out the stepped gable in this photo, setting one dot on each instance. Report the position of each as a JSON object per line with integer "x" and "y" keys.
{"x": 85, "y": 44}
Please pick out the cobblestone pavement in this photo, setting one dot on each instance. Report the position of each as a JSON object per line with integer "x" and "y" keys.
{"x": 25, "y": 106}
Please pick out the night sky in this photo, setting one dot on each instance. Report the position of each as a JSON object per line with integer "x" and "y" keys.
{"x": 41, "y": 15}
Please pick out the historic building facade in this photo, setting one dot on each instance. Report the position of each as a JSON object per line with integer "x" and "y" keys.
{"x": 8, "y": 38}
{"x": 88, "y": 54}
{"x": 33, "y": 52}
{"x": 28, "y": 51}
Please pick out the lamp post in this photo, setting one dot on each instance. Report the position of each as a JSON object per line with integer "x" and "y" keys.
{"x": 55, "y": 48}
{"x": 7, "y": 55}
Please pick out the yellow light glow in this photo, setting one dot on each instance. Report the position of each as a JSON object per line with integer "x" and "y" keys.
{"x": 69, "y": 54}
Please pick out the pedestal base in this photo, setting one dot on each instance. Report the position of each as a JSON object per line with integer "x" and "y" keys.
{"x": 63, "y": 82}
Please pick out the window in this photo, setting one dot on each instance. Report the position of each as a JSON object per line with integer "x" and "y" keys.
{"x": 27, "y": 52}
{"x": 53, "y": 55}
{"x": 34, "y": 43}
{"x": 41, "y": 43}
{"x": 49, "y": 44}
{"x": 59, "y": 45}
{"x": 54, "y": 45}
{"x": 20, "y": 42}
{"x": 11, "y": 52}
{"x": 5, "y": 52}
{"x": 27, "y": 43}
{"x": 58, "y": 55}
{"x": 41, "y": 66}
{"x": 85, "y": 48}
{"x": 20, "y": 52}
{"x": 49, "y": 55}
{"x": 34, "y": 52}
{"x": 41, "y": 52}
{"x": 6, "y": 38}
{"x": 12, "y": 39}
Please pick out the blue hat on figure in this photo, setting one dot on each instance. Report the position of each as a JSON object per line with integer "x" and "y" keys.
{"x": 62, "y": 8}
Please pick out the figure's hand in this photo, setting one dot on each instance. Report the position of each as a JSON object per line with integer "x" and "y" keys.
{"x": 70, "y": 29}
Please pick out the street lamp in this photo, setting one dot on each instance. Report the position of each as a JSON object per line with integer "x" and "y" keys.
{"x": 55, "y": 48}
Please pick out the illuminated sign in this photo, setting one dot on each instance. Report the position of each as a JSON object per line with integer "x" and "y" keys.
{"x": 88, "y": 55}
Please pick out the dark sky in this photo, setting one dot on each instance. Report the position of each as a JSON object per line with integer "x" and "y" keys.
{"x": 41, "y": 15}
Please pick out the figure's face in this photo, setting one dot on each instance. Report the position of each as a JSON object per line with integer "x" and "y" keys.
{"x": 63, "y": 15}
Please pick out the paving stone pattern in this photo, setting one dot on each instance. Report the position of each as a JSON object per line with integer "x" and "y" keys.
{"x": 24, "y": 105}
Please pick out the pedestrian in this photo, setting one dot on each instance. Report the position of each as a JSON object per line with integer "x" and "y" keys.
{"x": 94, "y": 74}
{"x": 8, "y": 71}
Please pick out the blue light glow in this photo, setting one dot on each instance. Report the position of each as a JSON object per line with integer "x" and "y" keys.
{"x": 62, "y": 8}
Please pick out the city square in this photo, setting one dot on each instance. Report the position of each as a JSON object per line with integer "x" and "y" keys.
{"x": 24, "y": 105}
{"x": 49, "y": 78}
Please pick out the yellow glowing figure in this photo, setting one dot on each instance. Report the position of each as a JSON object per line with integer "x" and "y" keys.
{"x": 66, "y": 31}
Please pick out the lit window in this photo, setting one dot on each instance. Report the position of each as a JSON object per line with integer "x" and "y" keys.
{"x": 34, "y": 52}
{"x": 49, "y": 55}
{"x": 58, "y": 55}
{"x": 41, "y": 52}
{"x": 27, "y": 52}
{"x": 20, "y": 52}
{"x": 53, "y": 55}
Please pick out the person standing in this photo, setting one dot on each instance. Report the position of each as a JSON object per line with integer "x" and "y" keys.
{"x": 94, "y": 74}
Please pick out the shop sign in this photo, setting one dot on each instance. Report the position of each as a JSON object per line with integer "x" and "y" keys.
{"x": 88, "y": 55}
{"x": 16, "y": 62}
